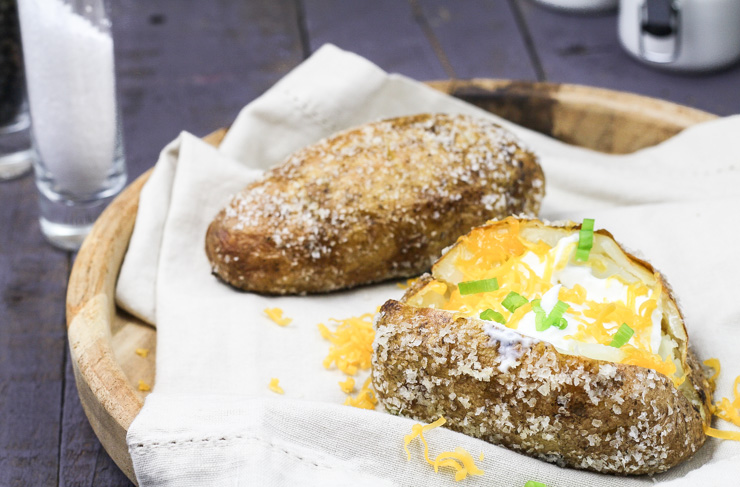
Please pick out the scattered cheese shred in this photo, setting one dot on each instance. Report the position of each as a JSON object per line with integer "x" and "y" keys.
{"x": 365, "y": 399}
{"x": 348, "y": 385}
{"x": 459, "y": 459}
{"x": 451, "y": 459}
{"x": 352, "y": 350}
{"x": 730, "y": 410}
{"x": 276, "y": 315}
{"x": 142, "y": 352}
{"x": 352, "y": 343}
{"x": 144, "y": 387}
{"x": 274, "y": 387}
{"x": 721, "y": 434}
{"x": 724, "y": 409}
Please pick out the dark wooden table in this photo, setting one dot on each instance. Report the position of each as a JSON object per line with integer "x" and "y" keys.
{"x": 191, "y": 65}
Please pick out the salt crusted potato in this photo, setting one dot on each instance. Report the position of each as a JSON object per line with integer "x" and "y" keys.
{"x": 376, "y": 202}
{"x": 562, "y": 395}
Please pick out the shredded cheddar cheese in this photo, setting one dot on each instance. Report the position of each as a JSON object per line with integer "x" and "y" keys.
{"x": 724, "y": 409}
{"x": 459, "y": 459}
{"x": 348, "y": 385}
{"x": 274, "y": 387}
{"x": 530, "y": 269}
{"x": 142, "y": 352}
{"x": 730, "y": 410}
{"x": 351, "y": 350}
{"x": 365, "y": 399}
{"x": 722, "y": 434}
{"x": 276, "y": 315}
{"x": 144, "y": 387}
{"x": 352, "y": 343}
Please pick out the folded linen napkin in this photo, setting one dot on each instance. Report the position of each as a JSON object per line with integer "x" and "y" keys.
{"x": 212, "y": 420}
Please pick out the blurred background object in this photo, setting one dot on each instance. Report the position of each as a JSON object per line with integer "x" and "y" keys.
{"x": 582, "y": 6}
{"x": 690, "y": 35}
{"x": 15, "y": 156}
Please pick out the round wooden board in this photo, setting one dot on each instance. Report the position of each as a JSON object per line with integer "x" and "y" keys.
{"x": 103, "y": 339}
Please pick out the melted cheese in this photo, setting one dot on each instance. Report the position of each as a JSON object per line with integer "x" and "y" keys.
{"x": 598, "y": 301}
{"x": 459, "y": 459}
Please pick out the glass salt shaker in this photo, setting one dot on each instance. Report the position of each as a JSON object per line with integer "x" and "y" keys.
{"x": 76, "y": 129}
{"x": 15, "y": 142}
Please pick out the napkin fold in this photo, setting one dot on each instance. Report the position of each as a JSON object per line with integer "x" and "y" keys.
{"x": 212, "y": 420}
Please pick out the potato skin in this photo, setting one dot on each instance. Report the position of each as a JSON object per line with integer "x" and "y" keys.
{"x": 569, "y": 410}
{"x": 372, "y": 203}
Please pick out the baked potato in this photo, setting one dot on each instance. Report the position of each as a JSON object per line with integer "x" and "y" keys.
{"x": 583, "y": 363}
{"x": 375, "y": 202}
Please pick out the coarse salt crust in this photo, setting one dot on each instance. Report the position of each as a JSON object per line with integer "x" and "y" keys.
{"x": 376, "y": 202}
{"x": 564, "y": 409}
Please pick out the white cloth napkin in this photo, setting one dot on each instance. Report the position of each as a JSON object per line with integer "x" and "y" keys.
{"x": 212, "y": 420}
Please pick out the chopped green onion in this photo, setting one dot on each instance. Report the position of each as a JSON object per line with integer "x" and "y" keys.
{"x": 475, "y": 287}
{"x": 562, "y": 323}
{"x": 539, "y": 315}
{"x": 622, "y": 336}
{"x": 585, "y": 240}
{"x": 491, "y": 315}
{"x": 543, "y": 321}
{"x": 556, "y": 315}
{"x": 532, "y": 483}
{"x": 514, "y": 301}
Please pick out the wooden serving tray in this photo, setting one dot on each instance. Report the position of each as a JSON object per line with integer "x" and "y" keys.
{"x": 103, "y": 339}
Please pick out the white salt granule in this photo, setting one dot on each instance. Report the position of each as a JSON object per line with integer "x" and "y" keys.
{"x": 71, "y": 91}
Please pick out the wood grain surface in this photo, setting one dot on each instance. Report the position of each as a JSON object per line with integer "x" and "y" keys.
{"x": 32, "y": 341}
{"x": 191, "y": 65}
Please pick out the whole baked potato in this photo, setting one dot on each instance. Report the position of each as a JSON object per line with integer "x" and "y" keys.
{"x": 375, "y": 202}
{"x": 576, "y": 354}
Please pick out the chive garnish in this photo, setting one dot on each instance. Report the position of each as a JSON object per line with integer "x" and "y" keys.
{"x": 556, "y": 315}
{"x": 539, "y": 315}
{"x": 622, "y": 336}
{"x": 585, "y": 240}
{"x": 514, "y": 301}
{"x": 543, "y": 321}
{"x": 475, "y": 287}
{"x": 491, "y": 315}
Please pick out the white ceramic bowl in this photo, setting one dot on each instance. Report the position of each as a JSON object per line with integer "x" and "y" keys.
{"x": 581, "y": 5}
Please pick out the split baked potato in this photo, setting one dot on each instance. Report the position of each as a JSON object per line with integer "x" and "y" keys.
{"x": 376, "y": 202}
{"x": 583, "y": 363}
